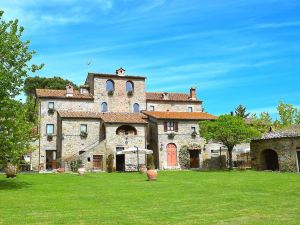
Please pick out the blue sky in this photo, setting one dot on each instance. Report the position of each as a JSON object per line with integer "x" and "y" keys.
{"x": 234, "y": 52}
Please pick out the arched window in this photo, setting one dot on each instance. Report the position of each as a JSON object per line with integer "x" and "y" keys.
{"x": 129, "y": 86}
{"x": 110, "y": 85}
{"x": 104, "y": 107}
{"x": 126, "y": 129}
{"x": 136, "y": 107}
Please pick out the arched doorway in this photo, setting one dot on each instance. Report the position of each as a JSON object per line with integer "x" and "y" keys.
{"x": 269, "y": 160}
{"x": 171, "y": 154}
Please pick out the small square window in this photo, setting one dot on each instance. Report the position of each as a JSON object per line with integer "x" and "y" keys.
{"x": 171, "y": 126}
{"x": 190, "y": 109}
{"x": 50, "y": 128}
{"x": 193, "y": 129}
{"x": 83, "y": 128}
{"x": 152, "y": 108}
{"x": 50, "y": 105}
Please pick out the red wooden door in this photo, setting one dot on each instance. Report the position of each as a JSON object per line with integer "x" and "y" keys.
{"x": 171, "y": 154}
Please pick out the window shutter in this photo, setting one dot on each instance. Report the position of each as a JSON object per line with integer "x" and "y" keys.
{"x": 176, "y": 126}
{"x": 165, "y": 126}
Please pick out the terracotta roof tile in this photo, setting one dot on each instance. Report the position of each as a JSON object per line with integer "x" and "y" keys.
{"x": 107, "y": 117}
{"x": 180, "y": 115}
{"x": 177, "y": 97}
{"x": 110, "y": 117}
{"x": 50, "y": 93}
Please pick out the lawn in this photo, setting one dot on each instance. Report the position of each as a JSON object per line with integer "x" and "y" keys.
{"x": 177, "y": 197}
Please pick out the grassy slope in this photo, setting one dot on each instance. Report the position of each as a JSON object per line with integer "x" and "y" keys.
{"x": 176, "y": 198}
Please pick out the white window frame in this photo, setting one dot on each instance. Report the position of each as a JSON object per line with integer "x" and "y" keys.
{"x": 83, "y": 130}
{"x": 48, "y": 125}
{"x": 50, "y": 103}
{"x": 170, "y": 126}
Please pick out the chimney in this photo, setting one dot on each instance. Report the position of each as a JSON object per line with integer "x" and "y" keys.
{"x": 165, "y": 96}
{"x": 120, "y": 72}
{"x": 70, "y": 90}
{"x": 193, "y": 93}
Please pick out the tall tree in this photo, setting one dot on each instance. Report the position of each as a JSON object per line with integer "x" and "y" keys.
{"x": 32, "y": 83}
{"x": 288, "y": 114}
{"x": 230, "y": 130}
{"x": 262, "y": 122}
{"x": 15, "y": 57}
{"x": 241, "y": 111}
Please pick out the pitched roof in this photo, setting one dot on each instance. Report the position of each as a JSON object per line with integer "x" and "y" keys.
{"x": 180, "y": 115}
{"x": 174, "y": 97}
{"x": 110, "y": 117}
{"x": 107, "y": 117}
{"x": 51, "y": 93}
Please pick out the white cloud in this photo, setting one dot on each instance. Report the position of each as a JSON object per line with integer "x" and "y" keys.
{"x": 277, "y": 25}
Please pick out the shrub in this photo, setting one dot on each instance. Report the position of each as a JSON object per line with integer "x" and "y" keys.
{"x": 110, "y": 163}
{"x": 130, "y": 93}
{"x": 184, "y": 157}
{"x": 150, "y": 162}
{"x": 75, "y": 165}
{"x": 110, "y": 93}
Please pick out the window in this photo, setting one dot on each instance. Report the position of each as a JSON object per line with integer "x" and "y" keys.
{"x": 190, "y": 109}
{"x": 104, "y": 107}
{"x": 136, "y": 107}
{"x": 193, "y": 129}
{"x": 50, "y": 105}
{"x": 110, "y": 86}
{"x": 170, "y": 126}
{"x": 83, "y": 128}
{"x": 152, "y": 108}
{"x": 50, "y": 128}
{"x": 129, "y": 86}
{"x": 126, "y": 130}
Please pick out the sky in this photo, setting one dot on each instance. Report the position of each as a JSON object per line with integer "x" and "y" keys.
{"x": 234, "y": 52}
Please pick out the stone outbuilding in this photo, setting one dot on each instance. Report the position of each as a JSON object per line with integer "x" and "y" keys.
{"x": 276, "y": 151}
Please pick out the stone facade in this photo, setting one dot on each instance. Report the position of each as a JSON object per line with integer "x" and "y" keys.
{"x": 72, "y": 108}
{"x": 276, "y": 154}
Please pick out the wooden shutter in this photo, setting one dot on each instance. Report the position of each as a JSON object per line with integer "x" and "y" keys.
{"x": 165, "y": 126}
{"x": 176, "y": 126}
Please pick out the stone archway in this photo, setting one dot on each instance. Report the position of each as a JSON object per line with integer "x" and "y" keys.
{"x": 269, "y": 160}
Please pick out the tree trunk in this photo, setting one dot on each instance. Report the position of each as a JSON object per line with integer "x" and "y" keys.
{"x": 230, "y": 157}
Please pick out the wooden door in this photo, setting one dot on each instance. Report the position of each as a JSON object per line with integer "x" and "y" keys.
{"x": 171, "y": 154}
{"x": 97, "y": 162}
{"x": 194, "y": 158}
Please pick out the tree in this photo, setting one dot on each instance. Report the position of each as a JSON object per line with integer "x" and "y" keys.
{"x": 288, "y": 114}
{"x": 230, "y": 130}
{"x": 240, "y": 111}
{"x": 32, "y": 83}
{"x": 262, "y": 122}
{"x": 15, "y": 56}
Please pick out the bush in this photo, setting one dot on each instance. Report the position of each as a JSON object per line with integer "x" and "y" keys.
{"x": 110, "y": 163}
{"x": 75, "y": 165}
{"x": 184, "y": 157}
{"x": 150, "y": 162}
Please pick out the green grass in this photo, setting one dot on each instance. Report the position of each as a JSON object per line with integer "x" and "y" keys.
{"x": 189, "y": 197}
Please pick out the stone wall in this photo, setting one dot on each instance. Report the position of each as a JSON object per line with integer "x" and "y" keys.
{"x": 182, "y": 137}
{"x": 173, "y": 106}
{"x": 119, "y": 101}
{"x": 286, "y": 149}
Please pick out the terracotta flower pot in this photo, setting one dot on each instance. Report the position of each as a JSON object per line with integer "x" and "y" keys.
{"x": 81, "y": 171}
{"x": 152, "y": 175}
{"x": 60, "y": 170}
{"x": 143, "y": 169}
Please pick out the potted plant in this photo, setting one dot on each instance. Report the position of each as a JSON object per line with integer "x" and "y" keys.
{"x": 130, "y": 93}
{"x": 194, "y": 134}
{"x": 11, "y": 171}
{"x": 49, "y": 137}
{"x": 151, "y": 172}
{"x": 171, "y": 135}
{"x": 51, "y": 111}
{"x": 83, "y": 134}
{"x": 110, "y": 92}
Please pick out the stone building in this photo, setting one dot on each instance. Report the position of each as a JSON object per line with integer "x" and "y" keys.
{"x": 276, "y": 151}
{"x": 113, "y": 112}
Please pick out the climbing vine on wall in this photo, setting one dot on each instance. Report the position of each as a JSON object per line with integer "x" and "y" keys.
{"x": 184, "y": 155}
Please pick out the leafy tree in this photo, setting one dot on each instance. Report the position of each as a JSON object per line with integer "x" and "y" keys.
{"x": 288, "y": 114}
{"x": 230, "y": 130}
{"x": 240, "y": 111}
{"x": 32, "y": 83}
{"x": 262, "y": 122}
{"x": 15, "y": 56}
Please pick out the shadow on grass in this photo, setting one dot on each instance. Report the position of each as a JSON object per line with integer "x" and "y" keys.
{"x": 12, "y": 184}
